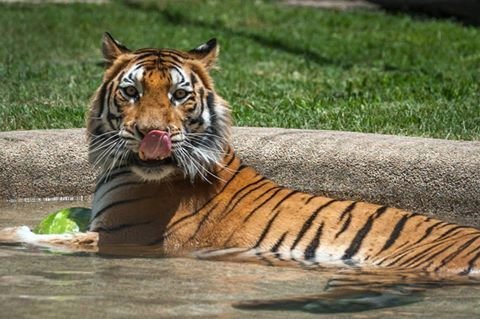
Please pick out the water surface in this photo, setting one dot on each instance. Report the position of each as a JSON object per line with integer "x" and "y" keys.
{"x": 35, "y": 283}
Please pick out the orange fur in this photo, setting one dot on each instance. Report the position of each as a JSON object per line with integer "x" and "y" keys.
{"x": 221, "y": 204}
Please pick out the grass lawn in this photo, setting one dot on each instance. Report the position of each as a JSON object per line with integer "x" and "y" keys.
{"x": 281, "y": 66}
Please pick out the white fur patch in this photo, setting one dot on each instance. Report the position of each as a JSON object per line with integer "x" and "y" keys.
{"x": 154, "y": 174}
{"x": 179, "y": 81}
{"x": 134, "y": 76}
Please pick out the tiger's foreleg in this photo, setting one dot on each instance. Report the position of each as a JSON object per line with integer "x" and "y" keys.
{"x": 73, "y": 242}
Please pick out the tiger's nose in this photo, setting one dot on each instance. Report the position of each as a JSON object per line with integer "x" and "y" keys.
{"x": 142, "y": 130}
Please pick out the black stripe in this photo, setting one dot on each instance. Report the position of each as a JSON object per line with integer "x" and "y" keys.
{"x": 121, "y": 202}
{"x": 106, "y": 102}
{"x": 178, "y": 69}
{"x": 211, "y": 107}
{"x": 415, "y": 257}
{"x": 397, "y": 253}
{"x": 228, "y": 210}
{"x": 470, "y": 264}
{"x": 227, "y": 165}
{"x": 213, "y": 116}
{"x": 174, "y": 52}
{"x": 115, "y": 77}
{"x": 129, "y": 77}
{"x": 101, "y": 97}
{"x": 193, "y": 79}
{"x": 395, "y": 233}
{"x": 229, "y": 150}
{"x": 313, "y": 246}
{"x": 210, "y": 100}
{"x": 266, "y": 230}
{"x": 205, "y": 217}
{"x": 112, "y": 117}
{"x": 308, "y": 223}
{"x": 202, "y": 101}
{"x": 310, "y": 199}
{"x": 457, "y": 251}
{"x": 173, "y": 56}
{"x": 145, "y": 50}
{"x": 147, "y": 65}
{"x": 208, "y": 201}
{"x": 347, "y": 210}
{"x": 402, "y": 245}
{"x": 202, "y": 221}
{"x": 198, "y": 120}
{"x": 429, "y": 231}
{"x": 362, "y": 233}
{"x": 117, "y": 187}
{"x": 450, "y": 231}
{"x": 279, "y": 242}
{"x": 165, "y": 64}
{"x": 145, "y": 54}
{"x": 345, "y": 225}
{"x": 263, "y": 203}
{"x": 267, "y": 191}
{"x": 265, "y": 260}
{"x": 429, "y": 258}
{"x": 284, "y": 199}
{"x": 399, "y": 257}
{"x": 106, "y": 98}
{"x": 256, "y": 209}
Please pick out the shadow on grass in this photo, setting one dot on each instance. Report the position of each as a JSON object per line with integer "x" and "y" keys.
{"x": 176, "y": 18}
{"x": 466, "y": 12}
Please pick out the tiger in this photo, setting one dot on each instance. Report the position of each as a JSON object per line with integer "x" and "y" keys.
{"x": 169, "y": 180}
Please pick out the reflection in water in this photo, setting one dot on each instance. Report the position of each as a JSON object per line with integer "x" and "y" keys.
{"x": 335, "y": 290}
{"x": 348, "y": 290}
{"x": 122, "y": 283}
{"x": 345, "y": 300}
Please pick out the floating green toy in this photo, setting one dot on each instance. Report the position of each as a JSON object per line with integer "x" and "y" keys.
{"x": 67, "y": 220}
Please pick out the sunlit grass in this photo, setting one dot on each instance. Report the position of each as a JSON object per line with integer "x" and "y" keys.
{"x": 280, "y": 66}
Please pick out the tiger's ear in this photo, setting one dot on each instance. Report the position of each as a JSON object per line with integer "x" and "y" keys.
{"x": 112, "y": 49}
{"x": 207, "y": 53}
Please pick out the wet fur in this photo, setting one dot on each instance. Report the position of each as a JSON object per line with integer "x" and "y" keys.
{"x": 206, "y": 201}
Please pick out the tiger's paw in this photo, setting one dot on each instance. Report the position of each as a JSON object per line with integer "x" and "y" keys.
{"x": 16, "y": 235}
{"x": 69, "y": 242}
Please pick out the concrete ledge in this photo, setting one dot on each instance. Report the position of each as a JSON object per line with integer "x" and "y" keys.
{"x": 437, "y": 177}
{"x": 44, "y": 163}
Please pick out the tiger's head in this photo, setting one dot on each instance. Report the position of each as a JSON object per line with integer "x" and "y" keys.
{"x": 157, "y": 113}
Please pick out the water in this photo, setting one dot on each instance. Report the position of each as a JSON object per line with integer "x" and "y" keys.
{"x": 35, "y": 283}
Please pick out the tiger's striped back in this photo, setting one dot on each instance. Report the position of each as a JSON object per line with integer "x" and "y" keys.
{"x": 249, "y": 214}
{"x": 200, "y": 197}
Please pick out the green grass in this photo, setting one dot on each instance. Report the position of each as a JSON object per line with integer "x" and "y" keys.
{"x": 363, "y": 71}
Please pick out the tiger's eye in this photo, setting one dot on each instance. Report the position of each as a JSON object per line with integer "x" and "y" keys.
{"x": 130, "y": 91}
{"x": 180, "y": 94}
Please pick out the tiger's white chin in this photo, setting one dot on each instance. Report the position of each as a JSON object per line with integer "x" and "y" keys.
{"x": 155, "y": 174}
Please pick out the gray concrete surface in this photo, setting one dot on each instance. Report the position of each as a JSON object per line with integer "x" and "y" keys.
{"x": 41, "y": 164}
{"x": 437, "y": 177}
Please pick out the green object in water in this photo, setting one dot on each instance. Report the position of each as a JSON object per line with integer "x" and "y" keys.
{"x": 67, "y": 220}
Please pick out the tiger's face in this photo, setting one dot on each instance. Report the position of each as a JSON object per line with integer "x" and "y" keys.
{"x": 157, "y": 113}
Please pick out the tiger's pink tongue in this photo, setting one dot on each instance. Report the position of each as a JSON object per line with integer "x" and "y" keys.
{"x": 156, "y": 145}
